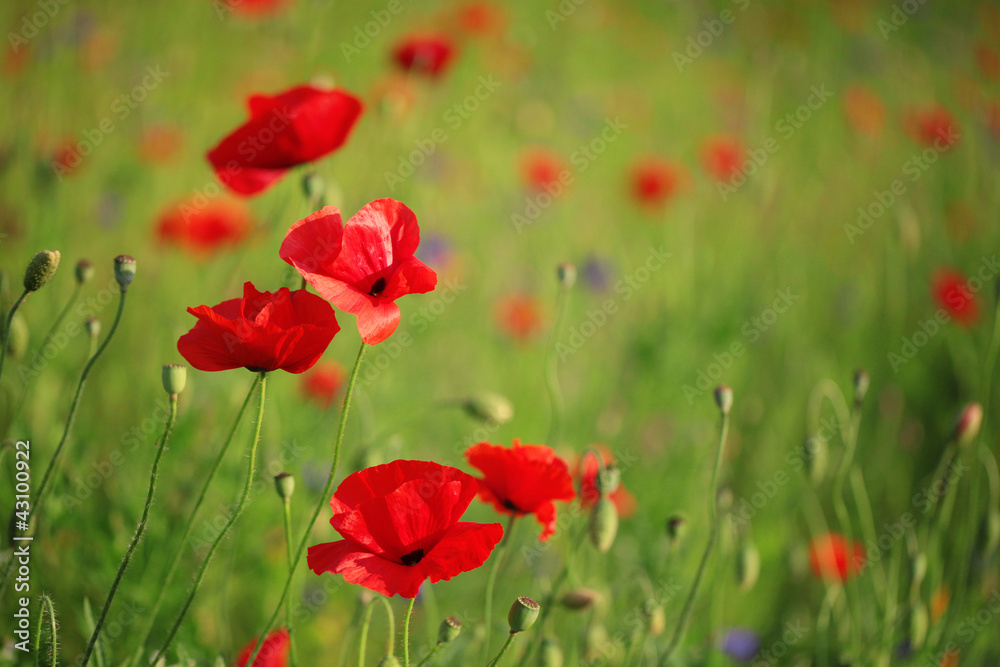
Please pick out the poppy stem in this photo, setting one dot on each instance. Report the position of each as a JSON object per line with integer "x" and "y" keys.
{"x": 503, "y": 650}
{"x": 323, "y": 499}
{"x": 171, "y": 420}
{"x": 491, "y": 581}
{"x": 713, "y": 535}
{"x": 172, "y": 568}
{"x": 247, "y": 485}
{"x": 6, "y": 327}
{"x": 406, "y": 632}
{"x": 389, "y": 643}
{"x": 552, "y": 372}
{"x": 70, "y": 418}
{"x": 45, "y": 605}
{"x": 287, "y": 505}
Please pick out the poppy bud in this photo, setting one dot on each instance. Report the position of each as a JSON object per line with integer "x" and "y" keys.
{"x": 489, "y": 407}
{"x": 724, "y": 398}
{"x": 313, "y": 186}
{"x": 918, "y": 625}
{"x": 551, "y": 654}
{"x": 608, "y": 479}
{"x": 284, "y": 484}
{"x": 18, "y": 335}
{"x": 918, "y": 568}
{"x": 174, "y": 378}
{"x": 84, "y": 271}
{"x": 603, "y": 524}
{"x": 566, "y": 273}
{"x": 748, "y": 567}
{"x": 40, "y": 269}
{"x": 814, "y": 454}
{"x": 522, "y": 614}
{"x": 861, "y": 383}
{"x": 93, "y": 327}
{"x": 655, "y": 616}
{"x": 968, "y": 423}
{"x": 449, "y": 630}
{"x": 676, "y": 527}
{"x": 389, "y": 661}
{"x": 124, "y": 271}
{"x": 579, "y": 599}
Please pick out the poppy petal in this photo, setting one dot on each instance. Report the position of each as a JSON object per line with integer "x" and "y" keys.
{"x": 376, "y": 324}
{"x": 364, "y": 568}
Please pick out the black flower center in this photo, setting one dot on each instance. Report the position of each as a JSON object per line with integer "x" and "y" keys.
{"x": 377, "y": 287}
{"x": 511, "y": 506}
{"x": 413, "y": 557}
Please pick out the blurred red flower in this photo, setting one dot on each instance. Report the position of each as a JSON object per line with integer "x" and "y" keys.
{"x": 951, "y": 291}
{"x": 722, "y": 156}
{"x": 285, "y": 130}
{"x": 323, "y": 382}
{"x": 864, "y": 110}
{"x": 202, "y": 229}
{"x": 831, "y": 558}
{"x": 541, "y": 168}
{"x": 425, "y": 54}
{"x": 480, "y": 18}
{"x": 934, "y": 127}
{"x": 521, "y": 480}
{"x": 66, "y": 159}
{"x": 519, "y": 316}
{"x": 285, "y": 330}
{"x": 401, "y": 526}
{"x": 364, "y": 266}
{"x": 159, "y": 144}
{"x": 623, "y": 500}
{"x": 273, "y": 652}
{"x": 654, "y": 181}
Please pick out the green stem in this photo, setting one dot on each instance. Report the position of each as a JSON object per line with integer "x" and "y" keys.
{"x": 288, "y": 603}
{"x": 186, "y": 533}
{"x": 849, "y": 436}
{"x": 406, "y": 632}
{"x": 54, "y": 461}
{"x": 248, "y": 484}
{"x": 171, "y": 419}
{"x": 45, "y": 604}
{"x": 712, "y": 537}
{"x": 429, "y": 655}
{"x": 323, "y": 499}
{"x": 503, "y": 650}
{"x": 491, "y": 584}
{"x": 6, "y": 327}
{"x": 389, "y": 643}
{"x": 552, "y": 372}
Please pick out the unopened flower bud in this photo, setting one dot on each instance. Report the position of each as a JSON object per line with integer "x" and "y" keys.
{"x": 449, "y": 630}
{"x": 18, "y": 336}
{"x": 284, "y": 484}
{"x": 313, "y": 186}
{"x": 489, "y": 407}
{"x": 748, "y": 567}
{"x": 724, "y": 398}
{"x": 918, "y": 568}
{"x": 968, "y": 423}
{"x": 608, "y": 479}
{"x": 84, "y": 271}
{"x": 522, "y": 614}
{"x": 93, "y": 327}
{"x": 603, "y": 525}
{"x": 40, "y": 269}
{"x": 124, "y": 271}
{"x": 579, "y": 599}
{"x": 656, "y": 618}
{"x": 174, "y": 378}
{"x": 566, "y": 273}
{"x": 861, "y": 384}
{"x": 551, "y": 654}
{"x": 389, "y": 661}
{"x": 676, "y": 527}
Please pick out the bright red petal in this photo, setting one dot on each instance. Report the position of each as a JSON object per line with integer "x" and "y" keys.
{"x": 464, "y": 548}
{"x": 365, "y": 568}
{"x": 376, "y": 324}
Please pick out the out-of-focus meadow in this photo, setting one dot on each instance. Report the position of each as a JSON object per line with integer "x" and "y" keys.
{"x": 766, "y": 195}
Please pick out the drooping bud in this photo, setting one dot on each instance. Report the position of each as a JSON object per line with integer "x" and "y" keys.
{"x": 566, "y": 273}
{"x": 489, "y": 407}
{"x": 656, "y": 618}
{"x": 449, "y": 630}
{"x": 522, "y": 614}
{"x": 968, "y": 423}
{"x": 125, "y": 266}
{"x": 314, "y": 187}
{"x": 579, "y": 599}
{"x": 608, "y": 479}
{"x": 724, "y": 398}
{"x": 603, "y": 525}
{"x": 93, "y": 327}
{"x": 284, "y": 484}
{"x": 40, "y": 269}
{"x": 676, "y": 527}
{"x": 861, "y": 383}
{"x": 84, "y": 271}
{"x": 815, "y": 456}
{"x": 174, "y": 378}
{"x": 18, "y": 335}
{"x": 551, "y": 654}
{"x": 748, "y": 566}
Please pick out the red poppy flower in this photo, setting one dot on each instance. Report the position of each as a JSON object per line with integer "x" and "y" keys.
{"x": 273, "y": 652}
{"x": 654, "y": 182}
{"x": 519, "y": 316}
{"x": 864, "y": 110}
{"x": 542, "y": 169}
{"x": 364, "y": 266}
{"x": 831, "y": 558}
{"x": 723, "y": 157}
{"x": 204, "y": 229}
{"x": 524, "y": 479}
{"x": 400, "y": 523}
{"x": 480, "y": 18}
{"x": 322, "y": 383}
{"x": 260, "y": 332}
{"x": 934, "y": 127}
{"x": 623, "y": 500}
{"x": 285, "y": 130}
{"x": 66, "y": 159}
{"x": 425, "y": 54}
{"x": 951, "y": 291}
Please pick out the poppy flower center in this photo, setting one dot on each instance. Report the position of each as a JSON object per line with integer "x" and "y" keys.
{"x": 511, "y": 506}
{"x": 413, "y": 557}
{"x": 377, "y": 287}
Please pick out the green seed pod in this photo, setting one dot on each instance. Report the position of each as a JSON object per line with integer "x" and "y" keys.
{"x": 918, "y": 568}
{"x": 313, "y": 186}
{"x": 551, "y": 654}
{"x": 284, "y": 484}
{"x": 579, "y": 599}
{"x": 40, "y": 269}
{"x": 174, "y": 378}
{"x": 489, "y": 407}
{"x": 603, "y": 524}
{"x": 748, "y": 567}
{"x": 566, "y": 273}
{"x": 19, "y": 335}
{"x": 93, "y": 327}
{"x": 815, "y": 456}
{"x": 389, "y": 661}
{"x": 84, "y": 271}
{"x": 676, "y": 527}
{"x": 656, "y": 618}
{"x": 724, "y": 398}
{"x": 522, "y": 614}
{"x": 608, "y": 479}
{"x": 449, "y": 630}
{"x": 125, "y": 266}
{"x": 919, "y": 621}
{"x": 861, "y": 383}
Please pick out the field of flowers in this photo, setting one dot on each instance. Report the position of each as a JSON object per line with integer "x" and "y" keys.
{"x": 481, "y": 332}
